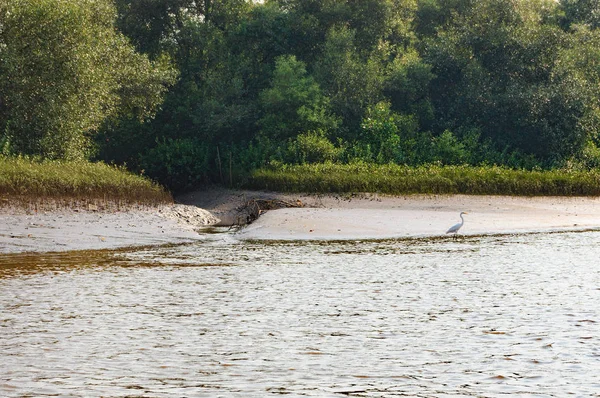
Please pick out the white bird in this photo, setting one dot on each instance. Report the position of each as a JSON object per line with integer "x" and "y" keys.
{"x": 454, "y": 229}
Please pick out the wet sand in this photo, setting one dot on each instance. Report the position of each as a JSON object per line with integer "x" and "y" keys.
{"x": 82, "y": 229}
{"x": 424, "y": 216}
{"x": 327, "y": 217}
{"x": 373, "y": 216}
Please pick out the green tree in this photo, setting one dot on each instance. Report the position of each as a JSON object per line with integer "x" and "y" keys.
{"x": 372, "y": 21}
{"x": 350, "y": 81}
{"x": 496, "y": 69}
{"x": 214, "y": 100}
{"x": 153, "y": 25}
{"x": 431, "y": 15}
{"x": 578, "y": 67}
{"x": 581, "y": 12}
{"x": 294, "y": 103}
{"x": 407, "y": 86}
{"x": 381, "y": 134}
{"x": 64, "y": 71}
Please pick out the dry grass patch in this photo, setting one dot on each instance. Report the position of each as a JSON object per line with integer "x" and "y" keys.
{"x": 62, "y": 183}
{"x": 395, "y": 179}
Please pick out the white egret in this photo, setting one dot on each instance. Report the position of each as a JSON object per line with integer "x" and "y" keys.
{"x": 454, "y": 229}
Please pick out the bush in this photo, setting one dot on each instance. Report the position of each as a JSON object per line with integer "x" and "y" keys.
{"x": 179, "y": 164}
{"x": 386, "y": 136}
{"x": 313, "y": 147}
{"x": 447, "y": 149}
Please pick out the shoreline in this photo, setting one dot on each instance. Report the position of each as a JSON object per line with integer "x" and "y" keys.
{"x": 287, "y": 217}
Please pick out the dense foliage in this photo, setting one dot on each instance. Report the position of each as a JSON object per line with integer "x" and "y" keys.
{"x": 411, "y": 82}
{"x": 64, "y": 71}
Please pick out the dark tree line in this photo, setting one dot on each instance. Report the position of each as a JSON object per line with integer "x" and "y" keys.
{"x": 215, "y": 88}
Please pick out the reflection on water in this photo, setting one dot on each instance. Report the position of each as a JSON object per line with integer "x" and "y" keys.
{"x": 481, "y": 317}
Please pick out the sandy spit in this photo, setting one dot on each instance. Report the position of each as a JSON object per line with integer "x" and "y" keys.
{"x": 327, "y": 217}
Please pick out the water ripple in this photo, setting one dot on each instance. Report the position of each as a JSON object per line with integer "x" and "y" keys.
{"x": 482, "y": 316}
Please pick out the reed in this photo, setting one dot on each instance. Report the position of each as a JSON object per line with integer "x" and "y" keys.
{"x": 27, "y": 181}
{"x": 430, "y": 179}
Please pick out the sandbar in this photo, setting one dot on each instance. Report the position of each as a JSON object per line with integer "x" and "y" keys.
{"x": 375, "y": 216}
{"x": 425, "y": 216}
{"x": 309, "y": 217}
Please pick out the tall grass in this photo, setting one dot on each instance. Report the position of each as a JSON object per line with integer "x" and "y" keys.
{"x": 24, "y": 181}
{"x": 395, "y": 179}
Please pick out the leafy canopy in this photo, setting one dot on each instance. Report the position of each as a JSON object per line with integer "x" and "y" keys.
{"x": 65, "y": 70}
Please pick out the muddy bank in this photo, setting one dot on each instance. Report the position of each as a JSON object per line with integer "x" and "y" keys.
{"x": 85, "y": 229}
{"x": 240, "y": 207}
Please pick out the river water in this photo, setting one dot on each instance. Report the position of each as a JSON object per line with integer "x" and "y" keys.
{"x": 476, "y": 316}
